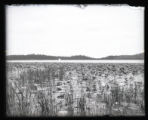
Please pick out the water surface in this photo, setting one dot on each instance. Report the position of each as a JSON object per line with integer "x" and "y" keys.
{"x": 79, "y": 61}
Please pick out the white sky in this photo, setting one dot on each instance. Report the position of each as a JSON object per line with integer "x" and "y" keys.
{"x": 65, "y": 30}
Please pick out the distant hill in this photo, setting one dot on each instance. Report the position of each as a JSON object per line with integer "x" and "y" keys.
{"x": 81, "y": 57}
{"x": 125, "y": 57}
{"x": 76, "y": 57}
{"x": 45, "y": 57}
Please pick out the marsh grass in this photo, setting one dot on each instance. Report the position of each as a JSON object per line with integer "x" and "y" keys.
{"x": 46, "y": 89}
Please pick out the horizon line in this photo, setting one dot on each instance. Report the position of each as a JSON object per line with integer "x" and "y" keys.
{"x": 72, "y": 55}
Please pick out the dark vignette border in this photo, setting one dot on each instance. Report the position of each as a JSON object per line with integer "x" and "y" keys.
{"x": 3, "y": 53}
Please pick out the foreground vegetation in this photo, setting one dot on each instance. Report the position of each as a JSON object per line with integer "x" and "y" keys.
{"x": 75, "y": 89}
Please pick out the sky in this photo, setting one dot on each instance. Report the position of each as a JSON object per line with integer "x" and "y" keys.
{"x": 66, "y": 30}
